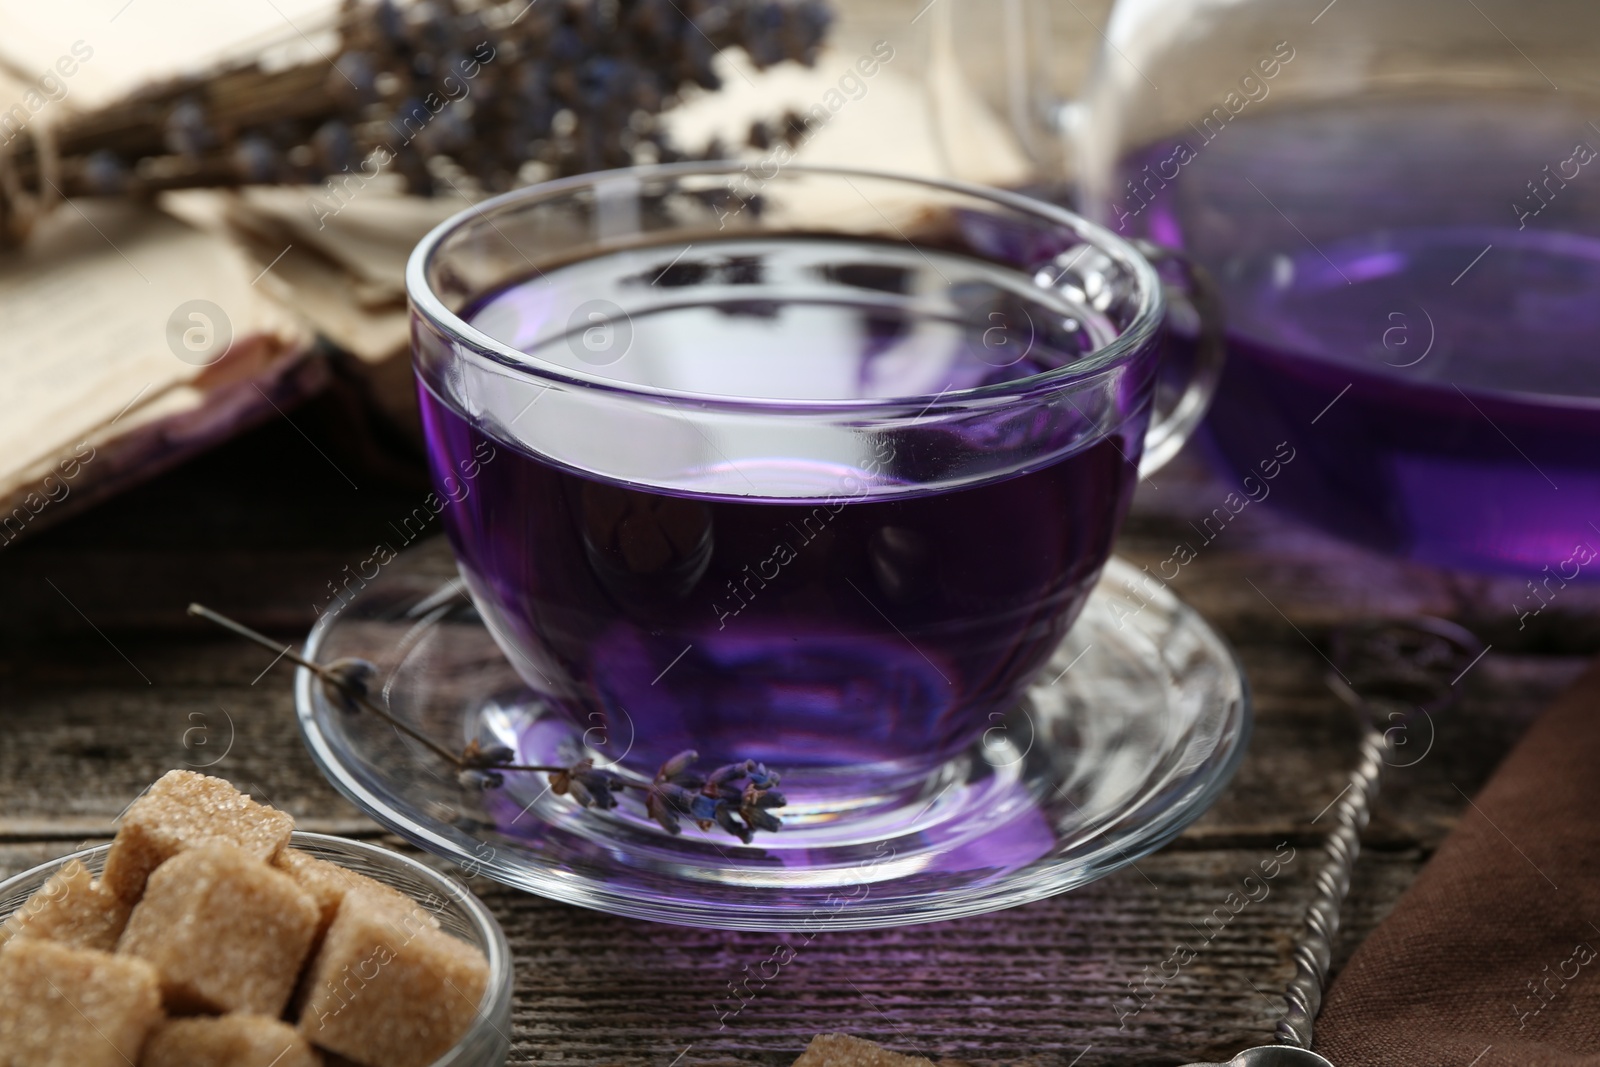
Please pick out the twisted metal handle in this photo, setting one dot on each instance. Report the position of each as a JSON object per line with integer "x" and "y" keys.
{"x": 1313, "y": 950}
{"x": 1410, "y": 664}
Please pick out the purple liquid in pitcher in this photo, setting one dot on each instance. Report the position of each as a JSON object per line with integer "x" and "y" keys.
{"x": 1413, "y": 296}
{"x": 827, "y": 615}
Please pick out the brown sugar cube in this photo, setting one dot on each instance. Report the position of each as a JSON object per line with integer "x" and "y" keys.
{"x": 842, "y": 1050}
{"x": 182, "y": 810}
{"x": 70, "y": 909}
{"x": 225, "y": 931}
{"x": 73, "y": 1007}
{"x": 329, "y": 882}
{"x": 228, "y": 1041}
{"x": 388, "y": 990}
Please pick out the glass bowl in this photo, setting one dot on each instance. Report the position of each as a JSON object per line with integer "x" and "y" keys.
{"x": 460, "y": 913}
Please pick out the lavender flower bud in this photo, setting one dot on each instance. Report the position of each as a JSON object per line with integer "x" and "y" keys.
{"x": 478, "y": 780}
{"x": 256, "y": 159}
{"x": 703, "y": 808}
{"x": 599, "y": 785}
{"x": 657, "y": 808}
{"x": 335, "y": 147}
{"x": 730, "y": 822}
{"x": 488, "y": 755}
{"x": 187, "y": 133}
{"x": 106, "y": 174}
{"x": 347, "y": 680}
{"x": 724, "y": 776}
{"x": 580, "y": 792}
{"x": 761, "y": 820}
{"x": 353, "y": 78}
{"x": 677, "y": 765}
{"x": 390, "y": 23}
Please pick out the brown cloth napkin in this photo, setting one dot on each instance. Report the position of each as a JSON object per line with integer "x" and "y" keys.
{"x": 1492, "y": 957}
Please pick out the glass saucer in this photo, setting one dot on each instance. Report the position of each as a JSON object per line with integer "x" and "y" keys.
{"x": 1129, "y": 735}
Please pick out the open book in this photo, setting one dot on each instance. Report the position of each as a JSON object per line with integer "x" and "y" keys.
{"x": 139, "y": 334}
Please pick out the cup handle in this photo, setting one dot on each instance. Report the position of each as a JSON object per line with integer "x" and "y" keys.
{"x": 1005, "y": 131}
{"x": 1191, "y": 363}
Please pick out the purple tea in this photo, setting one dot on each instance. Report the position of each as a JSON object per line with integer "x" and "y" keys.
{"x": 806, "y": 613}
{"x": 1413, "y": 296}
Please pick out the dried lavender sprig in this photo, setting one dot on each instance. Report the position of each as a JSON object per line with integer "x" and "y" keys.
{"x": 735, "y": 797}
{"x": 349, "y": 678}
{"x": 343, "y": 675}
{"x": 738, "y": 797}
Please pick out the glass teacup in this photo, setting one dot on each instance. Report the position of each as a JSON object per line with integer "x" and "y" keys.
{"x": 814, "y": 468}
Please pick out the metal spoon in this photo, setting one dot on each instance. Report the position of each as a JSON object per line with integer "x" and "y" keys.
{"x": 1393, "y": 675}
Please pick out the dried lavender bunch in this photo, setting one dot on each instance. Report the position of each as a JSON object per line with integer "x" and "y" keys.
{"x": 437, "y": 91}
{"x": 738, "y": 797}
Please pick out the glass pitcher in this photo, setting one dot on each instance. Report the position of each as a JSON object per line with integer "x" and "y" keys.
{"x": 1400, "y": 204}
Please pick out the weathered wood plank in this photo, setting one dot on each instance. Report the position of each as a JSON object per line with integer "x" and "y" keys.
{"x": 1033, "y": 985}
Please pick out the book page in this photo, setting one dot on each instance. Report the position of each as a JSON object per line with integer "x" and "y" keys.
{"x": 115, "y": 311}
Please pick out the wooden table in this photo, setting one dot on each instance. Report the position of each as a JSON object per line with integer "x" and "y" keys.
{"x": 105, "y": 684}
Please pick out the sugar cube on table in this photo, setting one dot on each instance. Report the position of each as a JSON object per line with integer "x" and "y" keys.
{"x": 329, "y": 882}
{"x": 389, "y": 990}
{"x": 70, "y": 909}
{"x": 62, "y": 1006}
{"x": 842, "y": 1050}
{"x": 228, "y": 1041}
{"x": 182, "y": 810}
{"x": 225, "y": 931}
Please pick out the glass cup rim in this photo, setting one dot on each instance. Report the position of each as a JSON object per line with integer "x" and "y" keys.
{"x": 424, "y": 302}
